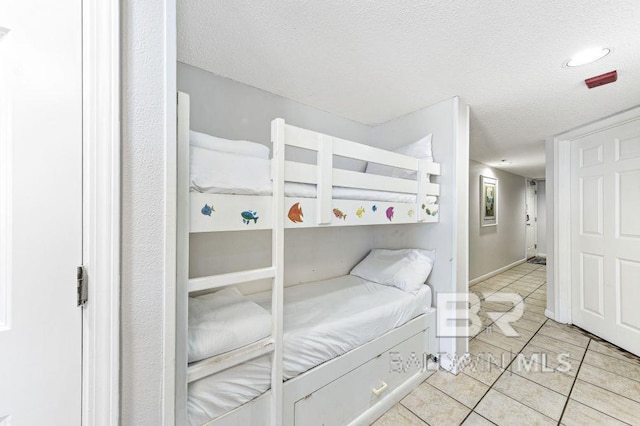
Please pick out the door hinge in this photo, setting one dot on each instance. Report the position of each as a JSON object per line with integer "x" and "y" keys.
{"x": 535, "y": 246}
{"x": 83, "y": 289}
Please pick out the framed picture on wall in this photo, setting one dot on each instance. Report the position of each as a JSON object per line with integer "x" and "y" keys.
{"x": 488, "y": 201}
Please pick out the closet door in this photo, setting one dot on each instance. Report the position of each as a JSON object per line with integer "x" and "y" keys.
{"x": 605, "y": 201}
{"x": 40, "y": 212}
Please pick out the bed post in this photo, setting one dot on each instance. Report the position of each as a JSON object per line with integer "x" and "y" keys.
{"x": 423, "y": 181}
{"x": 325, "y": 180}
{"x": 277, "y": 253}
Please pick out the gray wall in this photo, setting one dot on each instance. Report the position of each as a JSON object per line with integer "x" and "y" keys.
{"x": 542, "y": 217}
{"x": 448, "y": 122}
{"x": 226, "y": 108}
{"x": 494, "y": 247}
{"x": 233, "y": 110}
{"x": 438, "y": 120}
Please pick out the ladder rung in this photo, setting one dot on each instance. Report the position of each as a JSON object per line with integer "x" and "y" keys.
{"x": 207, "y": 367}
{"x": 222, "y": 280}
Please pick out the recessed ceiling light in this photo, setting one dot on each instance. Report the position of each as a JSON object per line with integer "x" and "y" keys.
{"x": 588, "y": 56}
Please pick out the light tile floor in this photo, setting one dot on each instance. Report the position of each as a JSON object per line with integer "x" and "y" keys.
{"x": 551, "y": 374}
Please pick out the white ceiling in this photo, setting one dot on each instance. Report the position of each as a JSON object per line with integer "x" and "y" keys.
{"x": 372, "y": 61}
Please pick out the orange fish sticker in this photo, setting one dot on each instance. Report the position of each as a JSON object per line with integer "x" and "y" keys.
{"x": 295, "y": 213}
{"x": 338, "y": 213}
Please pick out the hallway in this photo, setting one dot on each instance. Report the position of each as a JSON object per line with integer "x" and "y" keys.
{"x": 550, "y": 374}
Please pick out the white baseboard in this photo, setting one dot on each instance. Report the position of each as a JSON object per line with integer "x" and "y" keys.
{"x": 549, "y": 314}
{"x": 496, "y": 272}
{"x": 542, "y": 255}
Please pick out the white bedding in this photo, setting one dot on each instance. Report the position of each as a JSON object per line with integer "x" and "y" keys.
{"x": 215, "y": 327}
{"x": 322, "y": 320}
{"x": 227, "y": 173}
{"x": 325, "y": 319}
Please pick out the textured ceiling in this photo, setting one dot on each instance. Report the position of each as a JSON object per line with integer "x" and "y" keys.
{"x": 372, "y": 61}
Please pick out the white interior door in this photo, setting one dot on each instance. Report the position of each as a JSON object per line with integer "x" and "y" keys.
{"x": 605, "y": 234}
{"x": 531, "y": 231}
{"x": 41, "y": 212}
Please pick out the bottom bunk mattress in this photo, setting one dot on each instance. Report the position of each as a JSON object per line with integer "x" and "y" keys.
{"x": 322, "y": 320}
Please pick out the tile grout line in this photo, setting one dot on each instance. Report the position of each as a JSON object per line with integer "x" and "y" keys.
{"x": 498, "y": 378}
{"x": 472, "y": 410}
{"x": 411, "y": 411}
{"x": 634, "y": 363}
{"x": 574, "y": 382}
{"x": 607, "y": 390}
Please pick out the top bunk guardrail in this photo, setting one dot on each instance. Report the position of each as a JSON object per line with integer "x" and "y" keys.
{"x": 328, "y": 196}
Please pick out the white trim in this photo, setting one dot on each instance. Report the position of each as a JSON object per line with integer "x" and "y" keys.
{"x": 6, "y": 197}
{"x": 549, "y": 314}
{"x": 459, "y": 346}
{"x": 496, "y": 272}
{"x": 562, "y": 230}
{"x": 527, "y": 183}
{"x": 101, "y": 211}
{"x": 562, "y": 277}
{"x": 541, "y": 254}
{"x": 170, "y": 225}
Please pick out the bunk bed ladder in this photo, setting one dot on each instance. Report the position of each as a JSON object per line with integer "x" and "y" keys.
{"x": 272, "y": 344}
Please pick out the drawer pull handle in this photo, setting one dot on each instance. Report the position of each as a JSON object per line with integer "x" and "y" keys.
{"x": 380, "y": 389}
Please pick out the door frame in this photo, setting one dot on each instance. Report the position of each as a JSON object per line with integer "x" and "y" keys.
{"x": 101, "y": 211}
{"x": 535, "y": 208}
{"x": 562, "y": 271}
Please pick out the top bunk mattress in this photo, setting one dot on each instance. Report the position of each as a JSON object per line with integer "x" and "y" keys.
{"x": 225, "y": 173}
{"x": 326, "y": 319}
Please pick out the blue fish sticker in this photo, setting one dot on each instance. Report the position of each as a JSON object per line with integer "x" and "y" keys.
{"x": 207, "y": 210}
{"x": 374, "y": 208}
{"x": 248, "y": 216}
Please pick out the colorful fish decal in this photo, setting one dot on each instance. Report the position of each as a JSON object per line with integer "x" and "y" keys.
{"x": 360, "y": 212}
{"x": 389, "y": 213}
{"x": 424, "y": 207}
{"x": 374, "y": 208}
{"x": 207, "y": 210}
{"x": 338, "y": 213}
{"x": 248, "y": 216}
{"x": 295, "y": 213}
{"x": 432, "y": 212}
{"x": 410, "y": 213}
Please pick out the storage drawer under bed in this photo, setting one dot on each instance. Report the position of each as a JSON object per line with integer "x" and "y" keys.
{"x": 344, "y": 399}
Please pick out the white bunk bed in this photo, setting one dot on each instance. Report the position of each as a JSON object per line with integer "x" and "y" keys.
{"x": 352, "y": 387}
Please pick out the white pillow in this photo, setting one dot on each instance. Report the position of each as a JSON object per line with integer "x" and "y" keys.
{"x": 240, "y": 147}
{"x": 406, "y": 269}
{"x": 222, "y": 321}
{"x": 223, "y": 172}
{"x": 420, "y": 149}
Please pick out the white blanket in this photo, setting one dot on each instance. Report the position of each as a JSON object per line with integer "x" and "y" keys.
{"x": 223, "y": 321}
{"x": 322, "y": 320}
{"x": 325, "y": 319}
{"x": 215, "y": 172}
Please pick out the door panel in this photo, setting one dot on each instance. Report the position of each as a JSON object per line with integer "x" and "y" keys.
{"x": 628, "y": 148}
{"x": 592, "y": 290}
{"x": 628, "y": 200}
{"x": 40, "y": 349}
{"x": 628, "y": 289}
{"x": 591, "y": 204}
{"x": 605, "y": 234}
